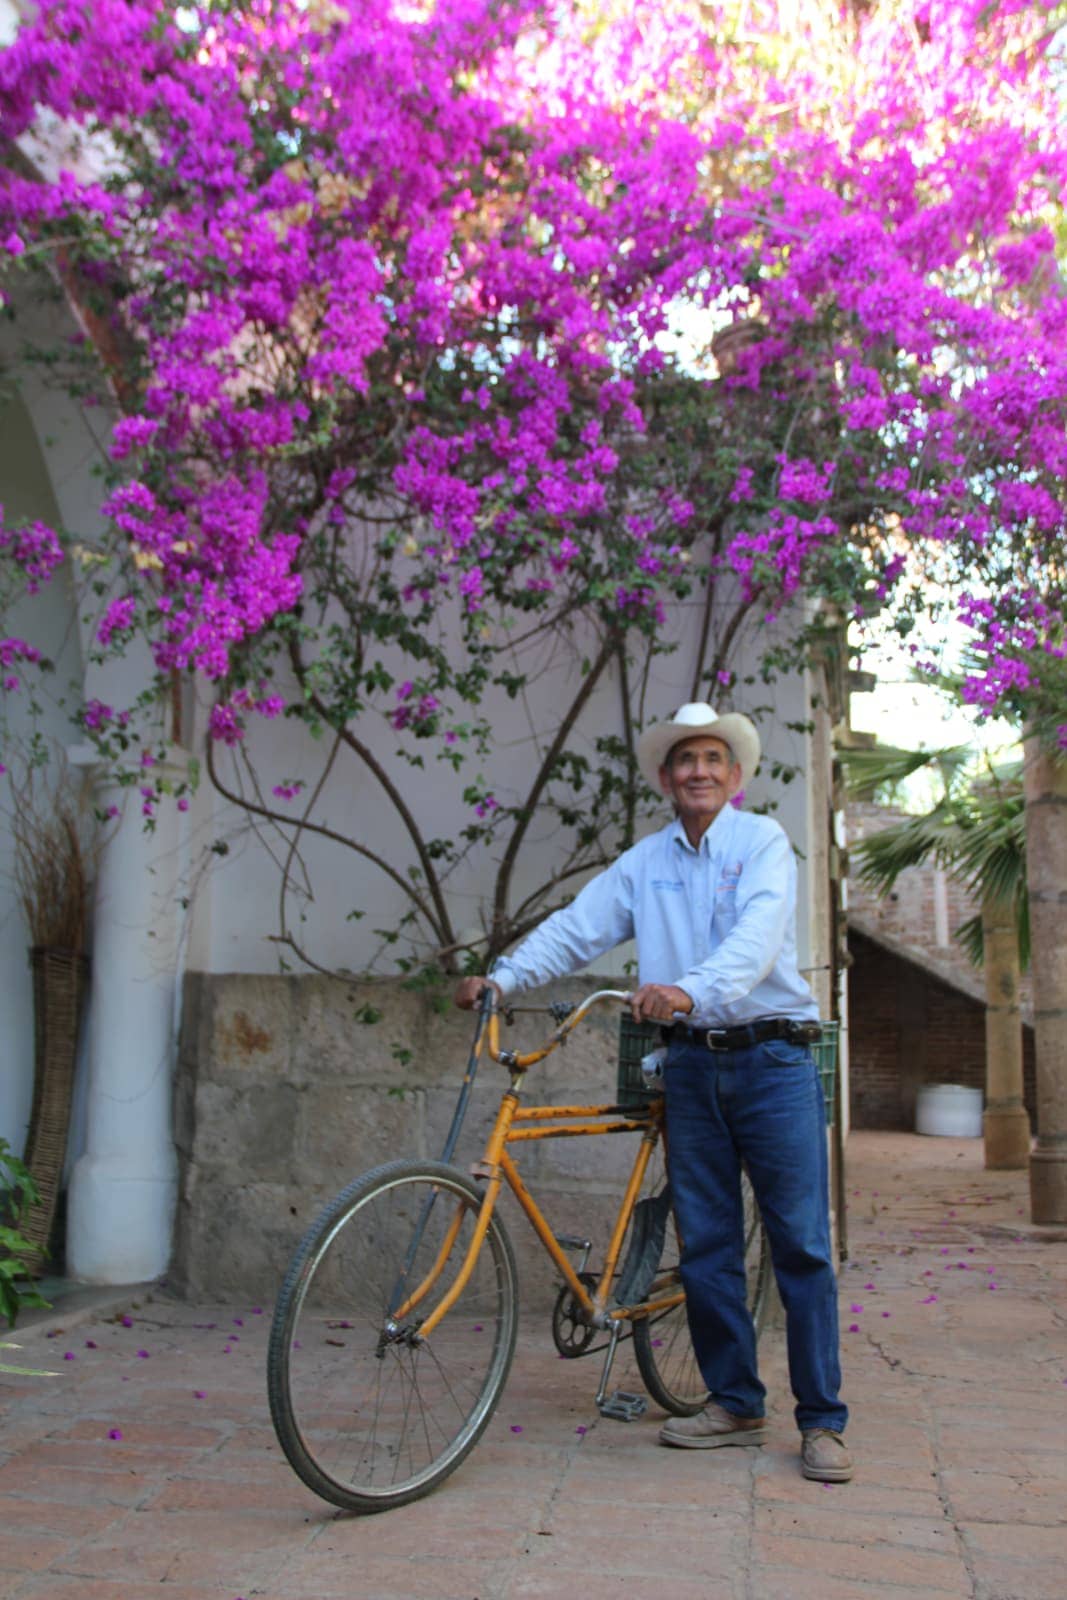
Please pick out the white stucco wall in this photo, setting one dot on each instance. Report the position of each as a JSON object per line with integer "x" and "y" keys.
{"x": 235, "y": 914}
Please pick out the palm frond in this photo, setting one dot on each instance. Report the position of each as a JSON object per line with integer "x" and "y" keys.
{"x": 871, "y": 764}
{"x": 883, "y": 856}
{"x": 991, "y": 860}
{"x": 969, "y": 937}
{"x": 886, "y": 766}
{"x": 1001, "y": 777}
{"x": 978, "y": 837}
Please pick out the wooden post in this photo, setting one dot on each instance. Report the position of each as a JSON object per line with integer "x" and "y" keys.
{"x": 1005, "y": 1125}
{"x": 1045, "y": 783}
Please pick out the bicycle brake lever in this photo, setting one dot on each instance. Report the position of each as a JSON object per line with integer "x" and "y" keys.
{"x": 559, "y": 1010}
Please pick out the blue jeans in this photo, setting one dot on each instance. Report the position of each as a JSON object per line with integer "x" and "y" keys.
{"x": 762, "y": 1106}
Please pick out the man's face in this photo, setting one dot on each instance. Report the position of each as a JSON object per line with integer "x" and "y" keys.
{"x": 700, "y": 776}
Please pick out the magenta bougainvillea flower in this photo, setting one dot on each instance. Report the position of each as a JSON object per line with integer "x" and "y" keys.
{"x": 460, "y": 320}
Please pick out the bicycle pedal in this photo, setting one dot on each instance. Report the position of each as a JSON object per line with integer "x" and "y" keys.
{"x": 623, "y": 1405}
{"x": 573, "y": 1241}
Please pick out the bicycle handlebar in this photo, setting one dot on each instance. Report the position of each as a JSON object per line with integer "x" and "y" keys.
{"x": 490, "y": 1013}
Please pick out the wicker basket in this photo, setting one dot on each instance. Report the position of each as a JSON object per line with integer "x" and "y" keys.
{"x": 59, "y": 983}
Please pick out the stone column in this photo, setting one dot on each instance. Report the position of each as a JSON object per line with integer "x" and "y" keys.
{"x": 1005, "y": 1125}
{"x": 124, "y": 1187}
{"x": 1045, "y": 781}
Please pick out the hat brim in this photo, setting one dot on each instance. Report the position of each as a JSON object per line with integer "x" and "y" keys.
{"x": 734, "y": 729}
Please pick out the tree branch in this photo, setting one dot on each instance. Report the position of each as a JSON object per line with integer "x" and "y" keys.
{"x": 441, "y": 922}
{"x": 507, "y": 866}
{"x": 628, "y": 739}
{"x": 722, "y": 653}
{"x": 320, "y": 828}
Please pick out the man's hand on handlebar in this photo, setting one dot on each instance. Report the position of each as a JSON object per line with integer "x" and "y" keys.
{"x": 659, "y": 1002}
{"x": 469, "y": 991}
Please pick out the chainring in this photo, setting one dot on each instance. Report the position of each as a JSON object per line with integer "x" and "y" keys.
{"x": 571, "y": 1333}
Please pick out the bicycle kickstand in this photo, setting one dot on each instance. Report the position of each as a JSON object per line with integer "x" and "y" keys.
{"x": 622, "y": 1404}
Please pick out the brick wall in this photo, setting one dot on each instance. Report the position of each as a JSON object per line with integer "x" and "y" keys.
{"x": 907, "y": 1028}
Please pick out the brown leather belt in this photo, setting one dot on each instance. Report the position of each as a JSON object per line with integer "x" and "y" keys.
{"x": 749, "y": 1033}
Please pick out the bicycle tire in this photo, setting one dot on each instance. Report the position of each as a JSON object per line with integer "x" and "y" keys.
{"x": 663, "y": 1348}
{"x": 368, "y": 1416}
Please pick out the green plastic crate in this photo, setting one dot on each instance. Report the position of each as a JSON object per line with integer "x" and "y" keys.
{"x": 636, "y": 1039}
{"x": 825, "y": 1053}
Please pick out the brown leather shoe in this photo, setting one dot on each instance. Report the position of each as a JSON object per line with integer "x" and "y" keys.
{"x": 712, "y": 1427}
{"x": 824, "y": 1456}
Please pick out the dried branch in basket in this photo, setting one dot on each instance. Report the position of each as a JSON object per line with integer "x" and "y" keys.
{"x": 53, "y": 831}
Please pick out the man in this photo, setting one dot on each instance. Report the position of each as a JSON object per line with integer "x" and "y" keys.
{"x": 711, "y": 900}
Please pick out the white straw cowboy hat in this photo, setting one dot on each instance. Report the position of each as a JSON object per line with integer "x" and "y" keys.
{"x": 693, "y": 721}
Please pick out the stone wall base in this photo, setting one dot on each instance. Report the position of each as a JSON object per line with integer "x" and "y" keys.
{"x": 286, "y": 1091}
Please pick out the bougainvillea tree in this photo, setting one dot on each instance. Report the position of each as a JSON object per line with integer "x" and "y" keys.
{"x": 443, "y": 339}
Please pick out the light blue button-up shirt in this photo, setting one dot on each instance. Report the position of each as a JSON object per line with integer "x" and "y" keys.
{"x": 718, "y": 921}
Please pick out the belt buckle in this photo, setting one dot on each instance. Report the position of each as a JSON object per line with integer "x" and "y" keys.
{"x": 715, "y": 1039}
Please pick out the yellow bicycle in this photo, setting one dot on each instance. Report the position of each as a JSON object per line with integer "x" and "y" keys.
{"x": 395, "y": 1327}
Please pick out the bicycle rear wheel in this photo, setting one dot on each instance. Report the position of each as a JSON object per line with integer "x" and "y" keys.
{"x": 369, "y": 1415}
{"x": 663, "y": 1348}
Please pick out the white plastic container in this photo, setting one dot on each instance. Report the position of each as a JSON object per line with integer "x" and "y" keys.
{"x": 949, "y": 1110}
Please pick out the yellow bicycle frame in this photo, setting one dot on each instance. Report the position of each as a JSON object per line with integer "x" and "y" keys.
{"x": 515, "y": 1124}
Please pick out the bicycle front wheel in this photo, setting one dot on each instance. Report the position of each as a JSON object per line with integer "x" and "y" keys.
{"x": 370, "y": 1414}
{"x": 663, "y": 1348}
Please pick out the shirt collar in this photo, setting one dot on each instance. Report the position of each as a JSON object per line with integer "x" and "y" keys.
{"x": 713, "y": 836}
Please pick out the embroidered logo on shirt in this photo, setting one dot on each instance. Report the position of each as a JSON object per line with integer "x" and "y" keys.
{"x": 674, "y": 884}
{"x": 731, "y": 877}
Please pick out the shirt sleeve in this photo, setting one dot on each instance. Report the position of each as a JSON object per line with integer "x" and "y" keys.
{"x": 599, "y": 918}
{"x": 766, "y": 901}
